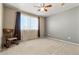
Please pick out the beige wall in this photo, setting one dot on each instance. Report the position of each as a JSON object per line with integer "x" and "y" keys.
{"x": 1, "y": 18}
{"x": 9, "y": 18}
{"x": 42, "y": 26}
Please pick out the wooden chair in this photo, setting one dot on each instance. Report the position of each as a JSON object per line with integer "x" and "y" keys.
{"x": 9, "y": 38}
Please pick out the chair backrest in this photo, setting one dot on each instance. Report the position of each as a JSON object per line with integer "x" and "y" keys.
{"x": 8, "y": 32}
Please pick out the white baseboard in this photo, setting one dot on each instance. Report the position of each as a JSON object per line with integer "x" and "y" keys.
{"x": 49, "y": 35}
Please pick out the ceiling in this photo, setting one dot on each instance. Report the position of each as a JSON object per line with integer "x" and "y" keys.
{"x": 29, "y": 7}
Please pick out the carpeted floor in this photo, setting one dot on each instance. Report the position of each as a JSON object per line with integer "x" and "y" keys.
{"x": 43, "y": 46}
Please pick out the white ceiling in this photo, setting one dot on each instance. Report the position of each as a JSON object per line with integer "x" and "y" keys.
{"x": 29, "y": 7}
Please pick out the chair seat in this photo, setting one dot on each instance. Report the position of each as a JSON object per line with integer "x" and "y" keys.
{"x": 14, "y": 38}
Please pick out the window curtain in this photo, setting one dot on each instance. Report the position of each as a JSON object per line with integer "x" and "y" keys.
{"x": 38, "y": 26}
{"x": 17, "y": 32}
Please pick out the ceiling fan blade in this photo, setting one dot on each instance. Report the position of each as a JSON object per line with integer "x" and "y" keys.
{"x": 43, "y": 4}
{"x": 45, "y": 10}
{"x": 48, "y": 6}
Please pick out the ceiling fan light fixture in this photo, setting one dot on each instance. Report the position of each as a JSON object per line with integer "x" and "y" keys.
{"x": 41, "y": 9}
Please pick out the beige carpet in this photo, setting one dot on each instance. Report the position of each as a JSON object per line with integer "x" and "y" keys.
{"x": 43, "y": 46}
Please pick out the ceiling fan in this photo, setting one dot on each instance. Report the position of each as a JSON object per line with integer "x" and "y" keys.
{"x": 43, "y": 7}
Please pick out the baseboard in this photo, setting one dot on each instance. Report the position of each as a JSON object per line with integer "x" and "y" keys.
{"x": 49, "y": 35}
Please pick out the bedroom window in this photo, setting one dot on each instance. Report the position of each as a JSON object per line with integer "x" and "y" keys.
{"x": 29, "y": 22}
